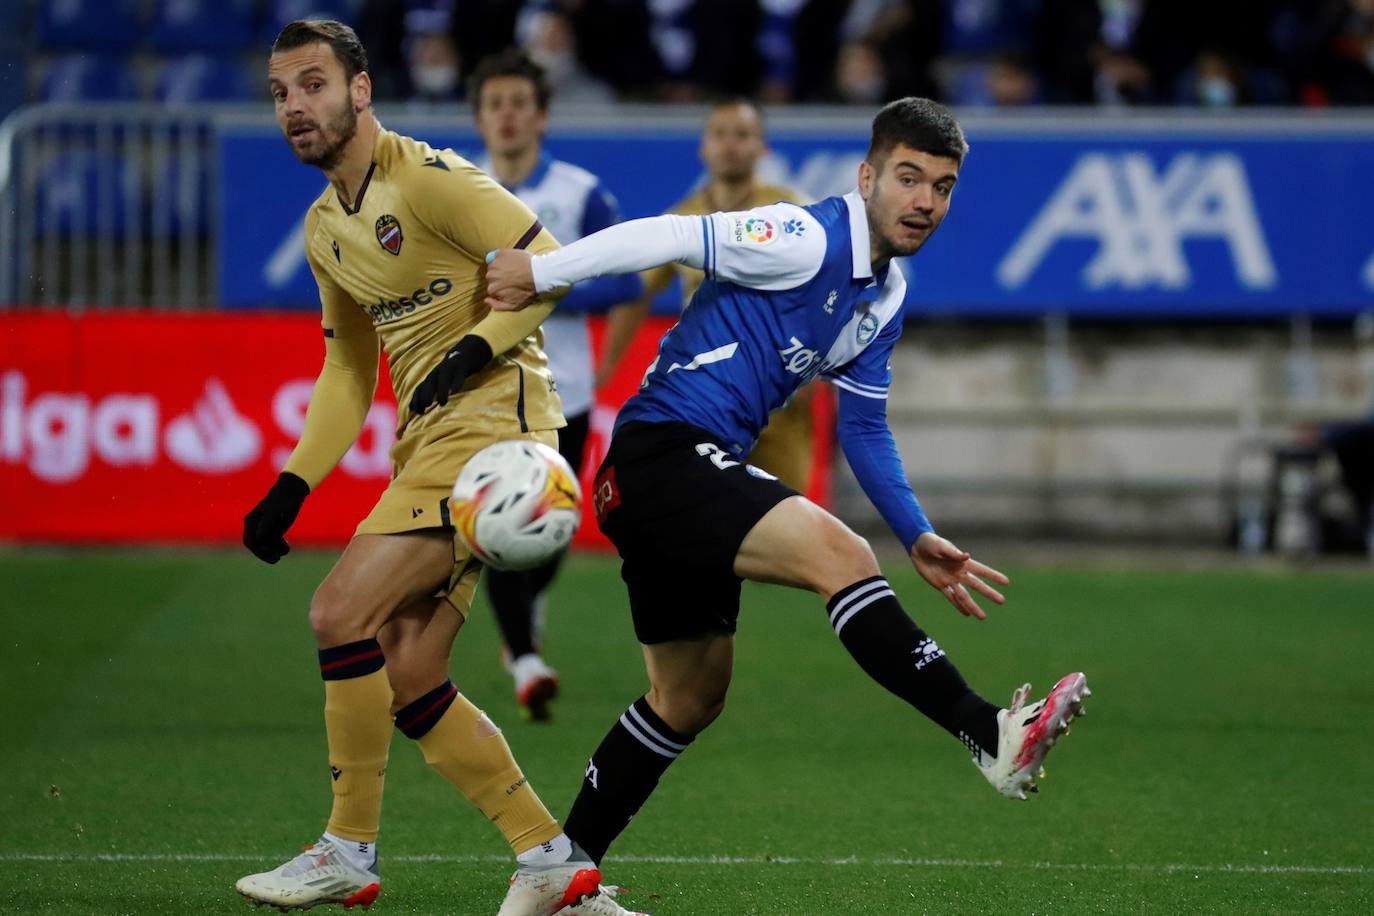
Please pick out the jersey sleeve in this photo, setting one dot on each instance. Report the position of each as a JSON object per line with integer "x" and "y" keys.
{"x": 339, "y": 314}
{"x": 872, "y": 455}
{"x": 777, "y": 247}
{"x": 600, "y": 211}
{"x": 469, "y": 208}
{"x": 598, "y": 296}
{"x": 347, "y": 382}
{"x": 869, "y": 375}
{"x": 771, "y": 248}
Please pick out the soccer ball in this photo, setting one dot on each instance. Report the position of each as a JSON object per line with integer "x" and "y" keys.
{"x": 516, "y": 504}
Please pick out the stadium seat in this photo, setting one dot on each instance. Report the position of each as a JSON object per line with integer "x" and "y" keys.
{"x": 201, "y": 78}
{"x": 986, "y": 26}
{"x": 88, "y": 25}
{"x": 72, "y": 187}
{"x": 280, "y": 12}
{"x": 203, "y": 25}
{"x": 88, "y": 78}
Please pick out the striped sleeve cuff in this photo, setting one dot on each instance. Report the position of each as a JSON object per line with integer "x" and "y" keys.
{"x": 860, "y": 388}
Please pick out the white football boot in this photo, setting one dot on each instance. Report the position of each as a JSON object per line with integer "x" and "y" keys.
{"x": 545, "y": 891}
{"x": 536, "y": 684}
{"x": 319, "y": 875}
{"x": 1025, "y": 735}
{"x": 602, "y": 903}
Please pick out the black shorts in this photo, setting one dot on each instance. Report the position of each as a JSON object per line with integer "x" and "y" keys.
{"x": 677, "y": 506}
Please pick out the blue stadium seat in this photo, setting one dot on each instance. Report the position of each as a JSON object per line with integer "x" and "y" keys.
{"x": 88, "y": 25}
{"x": 974, "y": 27}
{"x": 203, "y": 25}
{"x": 280, "y": 12}
{"x": 201, "y": 78}
{"x": 71, "y": 187}
{"x": 88, "y": 78}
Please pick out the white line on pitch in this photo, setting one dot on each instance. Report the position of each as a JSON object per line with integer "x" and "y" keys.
{"x": 740, "y": 860}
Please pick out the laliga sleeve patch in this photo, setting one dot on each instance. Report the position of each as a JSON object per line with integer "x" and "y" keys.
{"x": 754, "y": 229}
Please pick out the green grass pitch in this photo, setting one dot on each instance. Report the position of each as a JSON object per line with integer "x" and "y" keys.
{"x": 163, "y": 735}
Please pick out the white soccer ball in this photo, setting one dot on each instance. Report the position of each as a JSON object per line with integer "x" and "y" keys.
{"x": 516, "y": 504}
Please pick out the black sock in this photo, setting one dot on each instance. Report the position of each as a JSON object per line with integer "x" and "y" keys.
{"x": 513, "y": 595}
{"x": 417, "y": 718}
{"x": 893, "y": 651}
{"x": 620, "y": 777}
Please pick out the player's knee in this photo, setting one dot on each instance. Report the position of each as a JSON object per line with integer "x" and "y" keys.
{"x": 335, "y": 620}
{"x": 689, "y": 710}
{"x": 851, "y": 558}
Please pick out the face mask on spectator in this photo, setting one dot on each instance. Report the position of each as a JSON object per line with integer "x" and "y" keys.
{"x": 558, "y": 65}
{"x": 434, "y": 79}
{"x": 1216, "y": 92}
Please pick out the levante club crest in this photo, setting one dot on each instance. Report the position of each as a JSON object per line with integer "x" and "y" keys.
{"x": 389, "y": 233}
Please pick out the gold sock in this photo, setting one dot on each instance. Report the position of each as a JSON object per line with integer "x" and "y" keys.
{"x": 357, "y": 719}
{"x": 470, "y": 752}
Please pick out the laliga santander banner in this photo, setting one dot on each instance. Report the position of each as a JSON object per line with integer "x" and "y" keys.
{"x": 142, "y": 426}
{"x": 155, "y": 427}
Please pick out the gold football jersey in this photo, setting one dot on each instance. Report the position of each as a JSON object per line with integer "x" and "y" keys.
{"x": 696, "y": 204}
{"x": 405, "y": 261}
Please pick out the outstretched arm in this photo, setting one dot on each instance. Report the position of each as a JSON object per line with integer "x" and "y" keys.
{"x": 772, "y": 248}
{"x": 515, "y": 278}
{"x": 872, "y": 455}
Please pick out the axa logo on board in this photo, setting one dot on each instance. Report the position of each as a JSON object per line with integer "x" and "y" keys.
{"x": 57, "y": 434}
{"x": 1141, "y": 218}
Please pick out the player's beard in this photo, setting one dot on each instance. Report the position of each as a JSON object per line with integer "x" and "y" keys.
{"x": 333, "y": 137}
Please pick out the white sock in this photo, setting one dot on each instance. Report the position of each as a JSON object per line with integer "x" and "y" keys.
{"x": 358, "y": 853}
{"x": 555, "y": 852}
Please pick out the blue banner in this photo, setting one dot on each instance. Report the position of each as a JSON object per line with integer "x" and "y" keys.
{"x": 1126, "y": 221}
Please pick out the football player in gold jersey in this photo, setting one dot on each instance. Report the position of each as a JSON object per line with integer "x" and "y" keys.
{"x": 732, "y": 142}
{"x": 397, "y": 243}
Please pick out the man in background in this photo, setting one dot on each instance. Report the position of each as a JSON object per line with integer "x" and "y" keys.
{"x": 732, "y": 143}
{"x": 510, "y": 101}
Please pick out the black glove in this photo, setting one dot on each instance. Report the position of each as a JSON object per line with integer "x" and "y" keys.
{"x": 467, "y": 356}
{"x": 265, "y": 526}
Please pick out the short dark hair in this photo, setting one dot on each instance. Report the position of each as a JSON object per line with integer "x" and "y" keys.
{"x": 342, "y": 39}
{"x": 510, "y": 62}
{"x": 922, "y": 124}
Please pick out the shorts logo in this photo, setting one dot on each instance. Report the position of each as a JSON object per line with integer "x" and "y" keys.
{"x": 389, "y": 233}
{"x": 868, "y": 328}
{"x": 760, "y": 473}
{"x": 794, "y": 227}
{"x": 605, "y": 494}
{"x": 756, "y": 229}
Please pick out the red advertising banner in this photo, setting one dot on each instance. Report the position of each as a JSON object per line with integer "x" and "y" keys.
{"x": 142, "y": 426}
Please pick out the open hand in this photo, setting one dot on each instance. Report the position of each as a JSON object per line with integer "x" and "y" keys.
{"x": 953, "y": 572}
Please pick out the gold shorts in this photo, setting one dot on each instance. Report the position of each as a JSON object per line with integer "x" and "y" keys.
{"x": 424, "y": 469}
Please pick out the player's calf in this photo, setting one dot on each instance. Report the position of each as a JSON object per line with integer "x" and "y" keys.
{"x": 898, "y": 654}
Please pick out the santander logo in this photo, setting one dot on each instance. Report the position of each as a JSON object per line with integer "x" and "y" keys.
{"x": 213, "y": 438}
{"x": 57, "y": 435}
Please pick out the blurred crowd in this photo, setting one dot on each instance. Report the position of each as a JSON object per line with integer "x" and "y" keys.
{"x": 1208, "y": 53}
